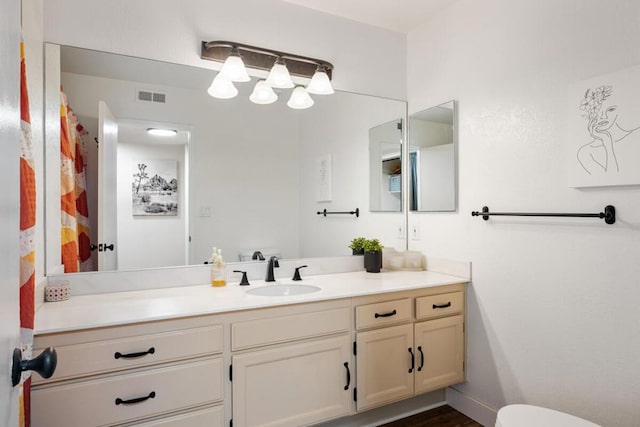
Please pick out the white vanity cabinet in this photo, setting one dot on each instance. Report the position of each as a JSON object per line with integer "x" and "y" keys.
{"x": 397, "y": 362}
{"x": 113, "y": 376}
{"x": 299, "y": 369}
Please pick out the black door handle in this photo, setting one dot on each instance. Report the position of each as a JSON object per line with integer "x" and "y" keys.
{"x": 346, "y": 365}
{"x": 44, "y": 364}
{"x": 413, "y": 360}
{"x": 442, "y": 306}
{"x": 119, "y": 355}
{"x": 392, "y": 313}
{"x": 135, "y": 400}
{"x": 421, "y": 358}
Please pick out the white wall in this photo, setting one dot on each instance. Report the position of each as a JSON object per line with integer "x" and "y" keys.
{"x": 172, "y": 31}
{"x": 552, "y": 311}
{"x": 347, "y": 140}
{"x": 248, "y": 194}
{"x": 149, "y": 241}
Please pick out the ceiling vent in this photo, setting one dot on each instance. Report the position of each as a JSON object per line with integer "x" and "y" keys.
{"x": 149, "y": 96}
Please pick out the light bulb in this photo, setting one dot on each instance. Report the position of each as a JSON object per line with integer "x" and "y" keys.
{"x": 263, "y": 93}
{"x": 320, "y": 83}
{"x": 279, "y": 77}
{"x": 300, "y": 99}
{"x": 233, "y": 68}
{"x": 222, "y": 88}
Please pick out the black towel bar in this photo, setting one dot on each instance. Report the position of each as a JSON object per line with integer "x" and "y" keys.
{"x": 609, "y": 214}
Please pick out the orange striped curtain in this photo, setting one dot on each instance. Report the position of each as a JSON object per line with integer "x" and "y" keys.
{"x": 27, "y": 246}
{"x": 76, "y": 252}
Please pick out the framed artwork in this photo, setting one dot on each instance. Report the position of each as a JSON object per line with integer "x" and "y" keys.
{"x": 604, "y": 130}
{"x": 323, "y": 178}
{"x": 154, "y": 187}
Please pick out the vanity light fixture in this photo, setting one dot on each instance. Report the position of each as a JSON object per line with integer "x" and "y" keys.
{"x": 222, "y": 88}
{"x": 263, "y": 93}
{"x": 233, "y": 68}
{"x": 236, "y": 57}
{"x": 300, "y": 99}
{"x": 162, "y": 132}
{"x": 279, "y": 77}
{"x": 320, "y": 83}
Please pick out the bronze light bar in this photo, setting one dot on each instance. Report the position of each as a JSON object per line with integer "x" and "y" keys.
{"x": 263, "y": 59}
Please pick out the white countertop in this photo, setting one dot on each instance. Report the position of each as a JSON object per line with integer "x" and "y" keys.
{"x": 111, "y": 309}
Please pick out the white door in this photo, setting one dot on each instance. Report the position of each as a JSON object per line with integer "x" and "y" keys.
{"x": 107, "y": 188}
{"x": 9, "y": 204}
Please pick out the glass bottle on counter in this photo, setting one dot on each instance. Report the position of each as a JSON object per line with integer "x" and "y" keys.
{"x": 218, "y": 269}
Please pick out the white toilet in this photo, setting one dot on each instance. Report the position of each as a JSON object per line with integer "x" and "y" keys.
{"x": 535, "y": 416}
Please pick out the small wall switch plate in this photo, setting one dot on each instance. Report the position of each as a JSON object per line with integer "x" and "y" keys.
{"x": 400, "y": 231}
{"x": 205, "y": 211}
{"x": 415, "y": 232}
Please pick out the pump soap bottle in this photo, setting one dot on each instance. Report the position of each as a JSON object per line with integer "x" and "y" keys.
{"x": 218, "y": 269}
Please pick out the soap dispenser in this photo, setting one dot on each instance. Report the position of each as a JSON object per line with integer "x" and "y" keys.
{"x": 218, "y": 269}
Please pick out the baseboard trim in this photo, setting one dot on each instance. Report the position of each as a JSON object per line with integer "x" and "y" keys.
{"x": 472, "y": 408}
{"x": 392, "y": 412}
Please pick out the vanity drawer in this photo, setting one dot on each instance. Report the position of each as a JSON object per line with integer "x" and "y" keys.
{"x": 259, "y": 332}
{"x": 104, "y": 356}
{"x": 383, "y": 313}
{"x": 94, "y": 402}
{"x": 209, "y": 417}
{"x": 439, "y": 305}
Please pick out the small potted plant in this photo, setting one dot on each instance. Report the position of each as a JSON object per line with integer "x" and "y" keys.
{"x": 372, "y": 256}
{"x": 357, "y": 245}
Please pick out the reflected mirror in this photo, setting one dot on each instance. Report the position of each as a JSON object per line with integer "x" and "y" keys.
{"x": 432, "y": 159}
{"x": 236, "y": 175}
{"x": 385, "y": 167}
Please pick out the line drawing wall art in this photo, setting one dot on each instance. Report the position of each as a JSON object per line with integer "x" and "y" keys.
{"x": 604, "y": 130}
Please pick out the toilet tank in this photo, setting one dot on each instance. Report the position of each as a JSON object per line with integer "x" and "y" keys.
{"x": 246, "y": 254}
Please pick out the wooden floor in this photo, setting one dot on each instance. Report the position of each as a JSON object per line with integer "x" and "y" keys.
{"x": 444, "y": 416}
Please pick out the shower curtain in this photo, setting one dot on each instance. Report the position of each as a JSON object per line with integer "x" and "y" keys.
{"x": 27, "y": 245}
{"x": 76, "y": 252}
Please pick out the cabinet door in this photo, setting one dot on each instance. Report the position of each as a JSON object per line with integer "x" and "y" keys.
{"x": 294, "y": 385}
{"x": 439, "y": 348}
{"x": 383, "y": 365}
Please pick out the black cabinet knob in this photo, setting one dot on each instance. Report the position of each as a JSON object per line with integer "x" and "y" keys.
{"x": 44, "y": 364}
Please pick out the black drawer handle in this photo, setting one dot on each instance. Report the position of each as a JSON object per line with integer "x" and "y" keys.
{"x": 346, "y": 365}
{"x": 442, "y": 306}
{"x": 136, "y": 400}
{"x": 413, "y": 360}
{"x": 421, "y": 358}
{"x": 393, "y": 313}
{"x": 119, "y": 355}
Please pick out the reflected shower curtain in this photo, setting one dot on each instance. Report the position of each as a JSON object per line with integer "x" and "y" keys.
{"x": 27, "y": 245}
{"x": 76, "y": 252}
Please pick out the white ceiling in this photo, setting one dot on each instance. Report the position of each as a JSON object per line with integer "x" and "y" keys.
{"x": 396, "y": 15}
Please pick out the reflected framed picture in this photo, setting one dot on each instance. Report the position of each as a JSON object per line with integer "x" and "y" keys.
{"x": 323, "y": 178}
{"x": 154, "y": 188}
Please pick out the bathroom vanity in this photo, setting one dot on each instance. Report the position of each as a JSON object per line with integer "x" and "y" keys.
{"x": 202, "y": 356}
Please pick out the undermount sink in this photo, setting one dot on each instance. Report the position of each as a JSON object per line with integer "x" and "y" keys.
{"x": 283, "y": 290}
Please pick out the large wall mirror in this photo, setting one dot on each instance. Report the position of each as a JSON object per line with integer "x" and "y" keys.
{"x": 432, "y": 159}
{"x": 235, "y": 175}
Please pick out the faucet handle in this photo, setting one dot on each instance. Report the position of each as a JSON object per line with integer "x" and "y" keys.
{"x": 244, "y": 281}
{"x": 296, "y": 275}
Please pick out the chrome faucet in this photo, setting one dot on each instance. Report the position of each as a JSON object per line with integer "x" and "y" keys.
{"x": 273, "y": 263}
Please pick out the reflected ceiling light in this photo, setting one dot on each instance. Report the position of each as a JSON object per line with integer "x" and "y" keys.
{"x": 279, "y": 77}
{"x": 222, "y": 88}
{"x": 233, "y": 68}
{"x": 320, "y": 83}
{"x": 300, "y": 99}
{"x": 281, "y": 66}
{"x": 162, "y": 132}
{"x": 263, "y": 93}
